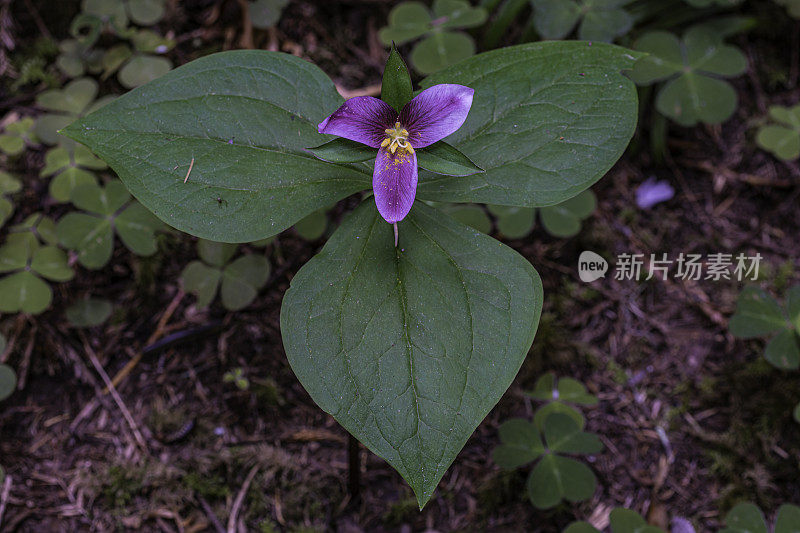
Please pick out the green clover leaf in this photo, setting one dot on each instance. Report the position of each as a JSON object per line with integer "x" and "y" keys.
{"x": 628, "y": 521}
{"x": 564, "y": 220}
{"x": 8, "y": 379}
{"x": 17, "y": 136}
{"x": 88, "y": 312}
{"x": 72, "y": 166}
{"x": 692, "y": 69}
{"x": 554, "y": 477}
{"x": 107, "y": 210}
{"x": 8, "y": 185}
{"x": 66, "y": 105}
{"x": 238, "y": 281}
{"x": 600, "y": 20}
{"x": 783, "y": 139}
{"x": 27, "y": 262}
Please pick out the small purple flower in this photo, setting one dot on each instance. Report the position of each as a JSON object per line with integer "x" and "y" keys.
{"x": 431, "y": 116}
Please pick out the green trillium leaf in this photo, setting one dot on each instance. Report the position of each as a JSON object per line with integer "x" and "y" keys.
{"x": 745, "y": 518}
{"x": 241, "y": 121}
{"x": 88, "y": 312}
{"x": 441, "y": 158}
{"x": 410, "y": 347}
{"x": 541, "y": 122}
{"x": 757, "y": 314}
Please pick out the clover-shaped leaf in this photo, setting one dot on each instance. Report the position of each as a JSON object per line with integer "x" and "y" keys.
{"x": 8, "y": 185}
{"x": 692, "y": 68}
{"x": 745, "y": 518}
{"x": 554, "y": 477}
{"x": 75, "y": 100}
{"x": 783, "y": 139}
{"x": 34, "y": 229}
{"x": 564, "y": 219}
{"x": 8, "y": 379}
{"x": 581, "y": 527}
{"x": 106, "y": 210}
{"x": 17, "y": 136}
{"x": 88, "y": 312}
{"x": 560, "y": 393}
{"x": 145, "y": 12}
{"x": 72, "y": 167}
{"x": 239, "y": 281}
{"x": 266, "y": 13}
{"x": 514, "y": 222}
{"x": 629, "y": 521}
{"x": 600, "y": 20}
{"x": 757, "y": 314}
{"x": 28, "y": 262}
{"x": 110, "y": 12}
{"x": 441, "y": 47}
{"x": 77, "y": 57}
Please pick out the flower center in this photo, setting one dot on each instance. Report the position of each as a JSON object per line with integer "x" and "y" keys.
{"x": 397, "y": 137}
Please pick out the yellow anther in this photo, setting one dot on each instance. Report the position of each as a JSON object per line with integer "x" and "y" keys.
{"x": 410, "y": 148}
{"x": 397, "y": 138}
{"x": 385, "y": 142}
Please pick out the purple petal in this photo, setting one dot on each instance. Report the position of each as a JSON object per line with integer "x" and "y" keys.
{"x": 362, "y": 119}
{"x": 394, "y": 182}
{"x": 435, "y": 113}
{"x": 652, "y": 192}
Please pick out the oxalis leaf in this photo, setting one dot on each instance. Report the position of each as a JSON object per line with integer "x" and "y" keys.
{"x": 547, "y": 121}
{"x": 410, "y": 347}
{"x": 242, "y": 121}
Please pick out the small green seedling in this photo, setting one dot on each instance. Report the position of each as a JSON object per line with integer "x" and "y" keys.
{"x": 783, "y": 139}
{"x": 441, "y": 46}
{"x": 107, "y": 210}
{"x": 72, "y": 167}
{"x": 238, "y": 281}
{"x": 748, "y": 518}
{"x": 66, "y": 105}
{"x": 8, "y": 186}
{"x": 759, "y": 315}
{"x": 266, "y": 13}
{"x": 597, "y": 20}
{"x": 26, "y": 262}
{"x": 17, "y": 136}
{"x": 236, "y": 376}
{"x": 561, "y": 395}
{"x": 621, "y": 521}
{"x": 88, "y": 312}
{"x": 555, "y": 477}
{"x": 692, "y": 69}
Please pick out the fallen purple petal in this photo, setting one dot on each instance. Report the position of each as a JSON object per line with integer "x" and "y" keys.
{"x": 653, "y": 192}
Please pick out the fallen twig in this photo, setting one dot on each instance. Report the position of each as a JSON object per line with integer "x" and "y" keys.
{"x": 237, "y": 503}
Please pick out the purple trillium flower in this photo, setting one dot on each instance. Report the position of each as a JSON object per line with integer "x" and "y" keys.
{"x": 431, "y": 116}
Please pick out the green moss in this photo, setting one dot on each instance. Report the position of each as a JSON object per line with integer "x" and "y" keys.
{"x": 207, "y": 486}
{"x": 401, "y": 512}
{"x": 120, "y": 485}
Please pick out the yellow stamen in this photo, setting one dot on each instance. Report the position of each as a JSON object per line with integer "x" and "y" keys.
{"x": 397, "y": 138}
{"x": 385, "y": 142}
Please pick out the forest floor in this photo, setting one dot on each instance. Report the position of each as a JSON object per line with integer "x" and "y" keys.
{"x": 692, "y": 419}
